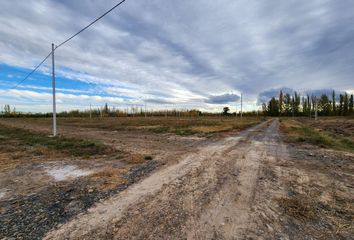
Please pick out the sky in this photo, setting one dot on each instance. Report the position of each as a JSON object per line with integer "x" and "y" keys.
{"x": 174, "y": 54}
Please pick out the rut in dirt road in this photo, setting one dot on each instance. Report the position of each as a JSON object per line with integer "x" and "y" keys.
{"x": 207, "y": 195}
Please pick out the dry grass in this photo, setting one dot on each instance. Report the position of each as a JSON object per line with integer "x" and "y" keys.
{"x": 343, "y": 126}
{"x": 19, "y": 146}
{"x": 298, "y": 208}
{"x": 14, "y": 153}
{"x": 211, "y": 129}
{"x": 73, "y": 146}
{"x": 296, "y": 131}
{"x": 179, "y": 126}
{"x": 135, "y": 159}
{"x": 109, "y": 178}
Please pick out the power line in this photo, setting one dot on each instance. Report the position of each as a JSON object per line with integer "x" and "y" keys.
{"x": 29, "y": 74}
{"x": 67, "y": 40}
{"x": 89, "y": 25}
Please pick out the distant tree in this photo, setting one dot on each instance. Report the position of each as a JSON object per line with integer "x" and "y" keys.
{"x": 296, "y": 104}
{"x": 345, "y": 104}
{"x": 292, "y": 107}
{"x": 308, "y": 105}
{"x": 341, "y": 104}
{"x": 7, "y": 109}
{"x": 281, "y": 102}
{"x": 334, "y": 109}
{"x": 273, "y": 107}
{"x": 226, "y": 110}
{"x": 106, "y": 109}
{"x": 287, "y": 104}
{"x": 324, "y": 105}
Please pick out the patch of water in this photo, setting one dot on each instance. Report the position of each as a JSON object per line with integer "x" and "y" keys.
{"x": 61, "y": 173}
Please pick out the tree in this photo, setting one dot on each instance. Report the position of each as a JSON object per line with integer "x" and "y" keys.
{"x": 226, "y": 111}
{"x": 334, "y": 110}
{"x": 296, "y": 104}
{"x": 7, "y": 109}
{"x": 341, "y": 105}
{"x": 273, "y": 107}
{"x": 287, "y": 104}
{"x": 351, "y": 104}
{"x": 324, "y": 105}
{"x": 308, "y": 105}
{"x": 281, "y": 102}
{"x": 345, "y": 104}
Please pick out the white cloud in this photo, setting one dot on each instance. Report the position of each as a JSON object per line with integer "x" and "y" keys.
{"x": 183, "y": 52}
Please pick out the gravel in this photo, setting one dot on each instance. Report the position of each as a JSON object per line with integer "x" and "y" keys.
{"x": 30, "y": 217}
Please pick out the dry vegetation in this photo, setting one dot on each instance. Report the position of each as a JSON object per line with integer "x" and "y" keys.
{"x": 178, "y": 126}
{"x": 333, "y": 133}
{"x": 317, "y": 177}
{"x": 21, "y": 146}
{"x": 320, "y": 197}
{"x": 116, "y": 152}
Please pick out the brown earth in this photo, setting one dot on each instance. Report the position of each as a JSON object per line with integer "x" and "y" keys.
{"x": 248, "y": 185}
{"x": 343, "y": 126}
{"x": 245, "y": 187}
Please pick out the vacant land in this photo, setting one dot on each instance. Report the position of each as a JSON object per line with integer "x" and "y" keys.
{"x": 319, "y": 203}
{"x": 189, "y": 178}
{"x": 45, "y": 181}
{"x": 330, "y": 133}
{"x": 201, "y": 126}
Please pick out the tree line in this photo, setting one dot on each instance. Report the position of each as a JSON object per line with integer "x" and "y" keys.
{"x": 138, "y": 111}
{"x": 105, "y": 111}
{"x": 296, "y": 105}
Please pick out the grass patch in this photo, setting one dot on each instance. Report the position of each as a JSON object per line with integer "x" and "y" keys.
{"x": 160, "y": 125}
{"x": 203, "y": 126}
{"x": 73, "y": 146}
{"x": 299, "y": 132}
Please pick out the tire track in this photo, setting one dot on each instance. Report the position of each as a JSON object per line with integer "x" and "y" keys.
{"x": 183, "y": 200}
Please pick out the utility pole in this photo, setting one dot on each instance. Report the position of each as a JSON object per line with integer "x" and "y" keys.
{"x": 54, "y": 101}
{"x": 241, "y": 105}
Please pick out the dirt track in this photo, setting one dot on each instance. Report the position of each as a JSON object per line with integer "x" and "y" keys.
{"x": 212, "y": 193}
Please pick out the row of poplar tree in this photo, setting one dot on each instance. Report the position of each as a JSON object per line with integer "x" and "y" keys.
{"x": 296, "y": 105}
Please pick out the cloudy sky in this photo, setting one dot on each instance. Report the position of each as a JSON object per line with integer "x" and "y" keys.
{"x": 174, "y": 54}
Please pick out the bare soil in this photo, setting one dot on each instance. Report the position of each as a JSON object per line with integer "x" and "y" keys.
{"x": 234, "y": 185}
{"x": 343, "y": 126}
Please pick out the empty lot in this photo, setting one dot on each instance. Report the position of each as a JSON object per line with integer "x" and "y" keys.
{"x": 215, "y": 178}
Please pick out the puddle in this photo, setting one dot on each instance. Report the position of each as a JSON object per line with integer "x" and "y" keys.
{"x": 61, "y": 173}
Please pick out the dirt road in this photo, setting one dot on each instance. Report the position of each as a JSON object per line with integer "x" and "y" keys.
{"x": 210, "y": 194}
